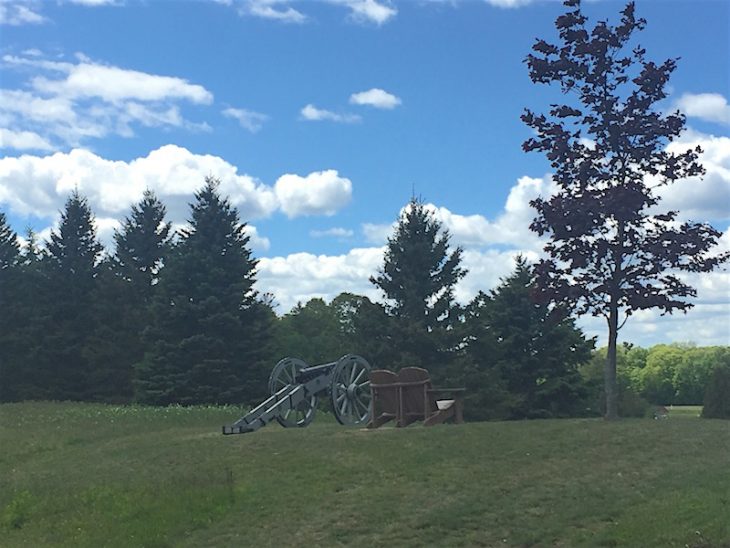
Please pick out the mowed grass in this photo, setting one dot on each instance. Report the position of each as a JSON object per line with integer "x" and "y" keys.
{"x": 94, "y": 475}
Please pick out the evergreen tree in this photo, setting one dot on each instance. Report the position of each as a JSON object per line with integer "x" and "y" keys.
{"x": 207, "y": 337}
{"x": 70, "y": 271}
{"x": 124, "y": 291}
{"x": 9, "y": 308}
{"x": 9, "y": 247}
{"x": 418, "y": 279}
{"x": 533, "y": 349}
{"x": 142, "y": 244}
{"x": 611, "y": 252}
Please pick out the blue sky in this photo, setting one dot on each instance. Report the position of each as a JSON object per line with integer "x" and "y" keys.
{"x": 322, "y": 117}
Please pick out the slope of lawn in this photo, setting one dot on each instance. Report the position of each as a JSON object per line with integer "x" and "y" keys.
{"x": 94, "y": 475}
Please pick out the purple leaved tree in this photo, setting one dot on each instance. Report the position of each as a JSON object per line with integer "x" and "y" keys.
{"x": 610, "y": 250}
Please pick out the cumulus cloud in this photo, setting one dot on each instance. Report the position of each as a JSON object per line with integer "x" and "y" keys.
{"x": 302, "y": 276}
{"x": 256, "y": 241}
{"x": 510, "y": 227}
{"x": 711, "y": 107}
{"x": 319, "y": 193}
{"x": 706, "y": 198}
{"x": 314, "y": 114}
{"x": 173, "y": 173}
{"x": 375, "y": 97}
{"x": 250, "y": 120}
{"x": 70, "y": 102}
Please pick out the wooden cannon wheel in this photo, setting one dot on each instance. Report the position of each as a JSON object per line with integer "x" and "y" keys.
{"x": 350, "y": 390}
{"x": 285, "y": 373}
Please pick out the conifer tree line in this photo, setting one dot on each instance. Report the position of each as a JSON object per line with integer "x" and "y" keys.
{"x": 169, "y": 318}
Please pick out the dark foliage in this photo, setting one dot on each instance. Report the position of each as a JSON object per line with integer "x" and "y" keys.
{"x": 68, "y": 275}
{"x": 531, "y": 352}
{"x": 609, "y": 252}
{"x": 717, "y": 396}
{"x": 208, "y": 329}
{"x": 418, "y": 279}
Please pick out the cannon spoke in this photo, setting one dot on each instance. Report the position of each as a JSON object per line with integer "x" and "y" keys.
{"x": 285, "y": 374}
{"x": 350, "y": 390}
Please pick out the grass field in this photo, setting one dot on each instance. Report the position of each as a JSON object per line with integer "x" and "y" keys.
{"x": 93, "y": 475}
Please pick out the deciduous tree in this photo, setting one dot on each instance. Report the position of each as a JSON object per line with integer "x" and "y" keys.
{"x": 611, "y": 251}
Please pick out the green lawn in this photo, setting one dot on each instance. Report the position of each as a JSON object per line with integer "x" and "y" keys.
{"x": 93, "y": 475}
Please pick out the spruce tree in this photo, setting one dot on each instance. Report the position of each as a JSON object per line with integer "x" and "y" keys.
{"x": 418, "y": 278}
{"x": 208, "y": 329}
{"x": 534, "y": 349}
{"x": 9, "y": 246}
{"x": 123, "y": 296}
{"x": 142, "y": 244}
{"x": 70, "y": 272}
{"x": 9, "y": 308}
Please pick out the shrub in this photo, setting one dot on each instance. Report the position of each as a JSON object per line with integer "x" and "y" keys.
{"x": 717, "y": 394}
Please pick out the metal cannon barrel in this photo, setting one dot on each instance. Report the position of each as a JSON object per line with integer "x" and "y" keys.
{"x": 295, "y": 388}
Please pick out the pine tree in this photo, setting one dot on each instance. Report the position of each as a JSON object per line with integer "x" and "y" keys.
{"x": 534, "y": 350}
{"x": 208, "y": 332}
{"x": 611, "y": 251}
{"x": 418, "y": 278}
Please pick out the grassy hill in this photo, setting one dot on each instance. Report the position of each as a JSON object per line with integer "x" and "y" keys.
{"x": 95, "y": 475}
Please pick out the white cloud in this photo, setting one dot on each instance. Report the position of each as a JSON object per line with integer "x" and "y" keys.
{"x": 368, "y": 11}
{"x": 173, "y": 173}
{"x": 277, "y": 10}
{"x": 23, "y": 140}
{"x": 314, "y": 114}
{"x": 707, "y": 198}
{"x": 69, "y": 103}
{"x": 18, "y": 13}
{"x": 256, "y": 241}
{"x": 711, "y": 107}
{"x": 303, "y": 276}
{"x": 511, "y": 226}
{"x": 509, "y": 3}
{"x": 114, "y": 84}
{"x": 375, "y": 97}
{"x": 250, "y": 120}
{"x": 319, "y": 193}
{"x": 336, "y": 232}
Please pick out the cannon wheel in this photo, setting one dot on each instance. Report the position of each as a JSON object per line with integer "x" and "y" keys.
{"x": 350, "y": 390}
{"x": 285, "y": 373}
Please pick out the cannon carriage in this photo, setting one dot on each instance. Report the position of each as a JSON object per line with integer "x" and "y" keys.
{"x": 296, "y": 387}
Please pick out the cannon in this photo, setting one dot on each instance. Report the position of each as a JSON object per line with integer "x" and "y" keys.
{"x": 295, "y": 388}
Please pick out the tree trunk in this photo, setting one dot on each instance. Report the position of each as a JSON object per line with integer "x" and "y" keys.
{"x": 609, "y": 371}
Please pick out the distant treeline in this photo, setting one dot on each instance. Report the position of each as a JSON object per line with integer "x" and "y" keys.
{"x": 174, "y": 318}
